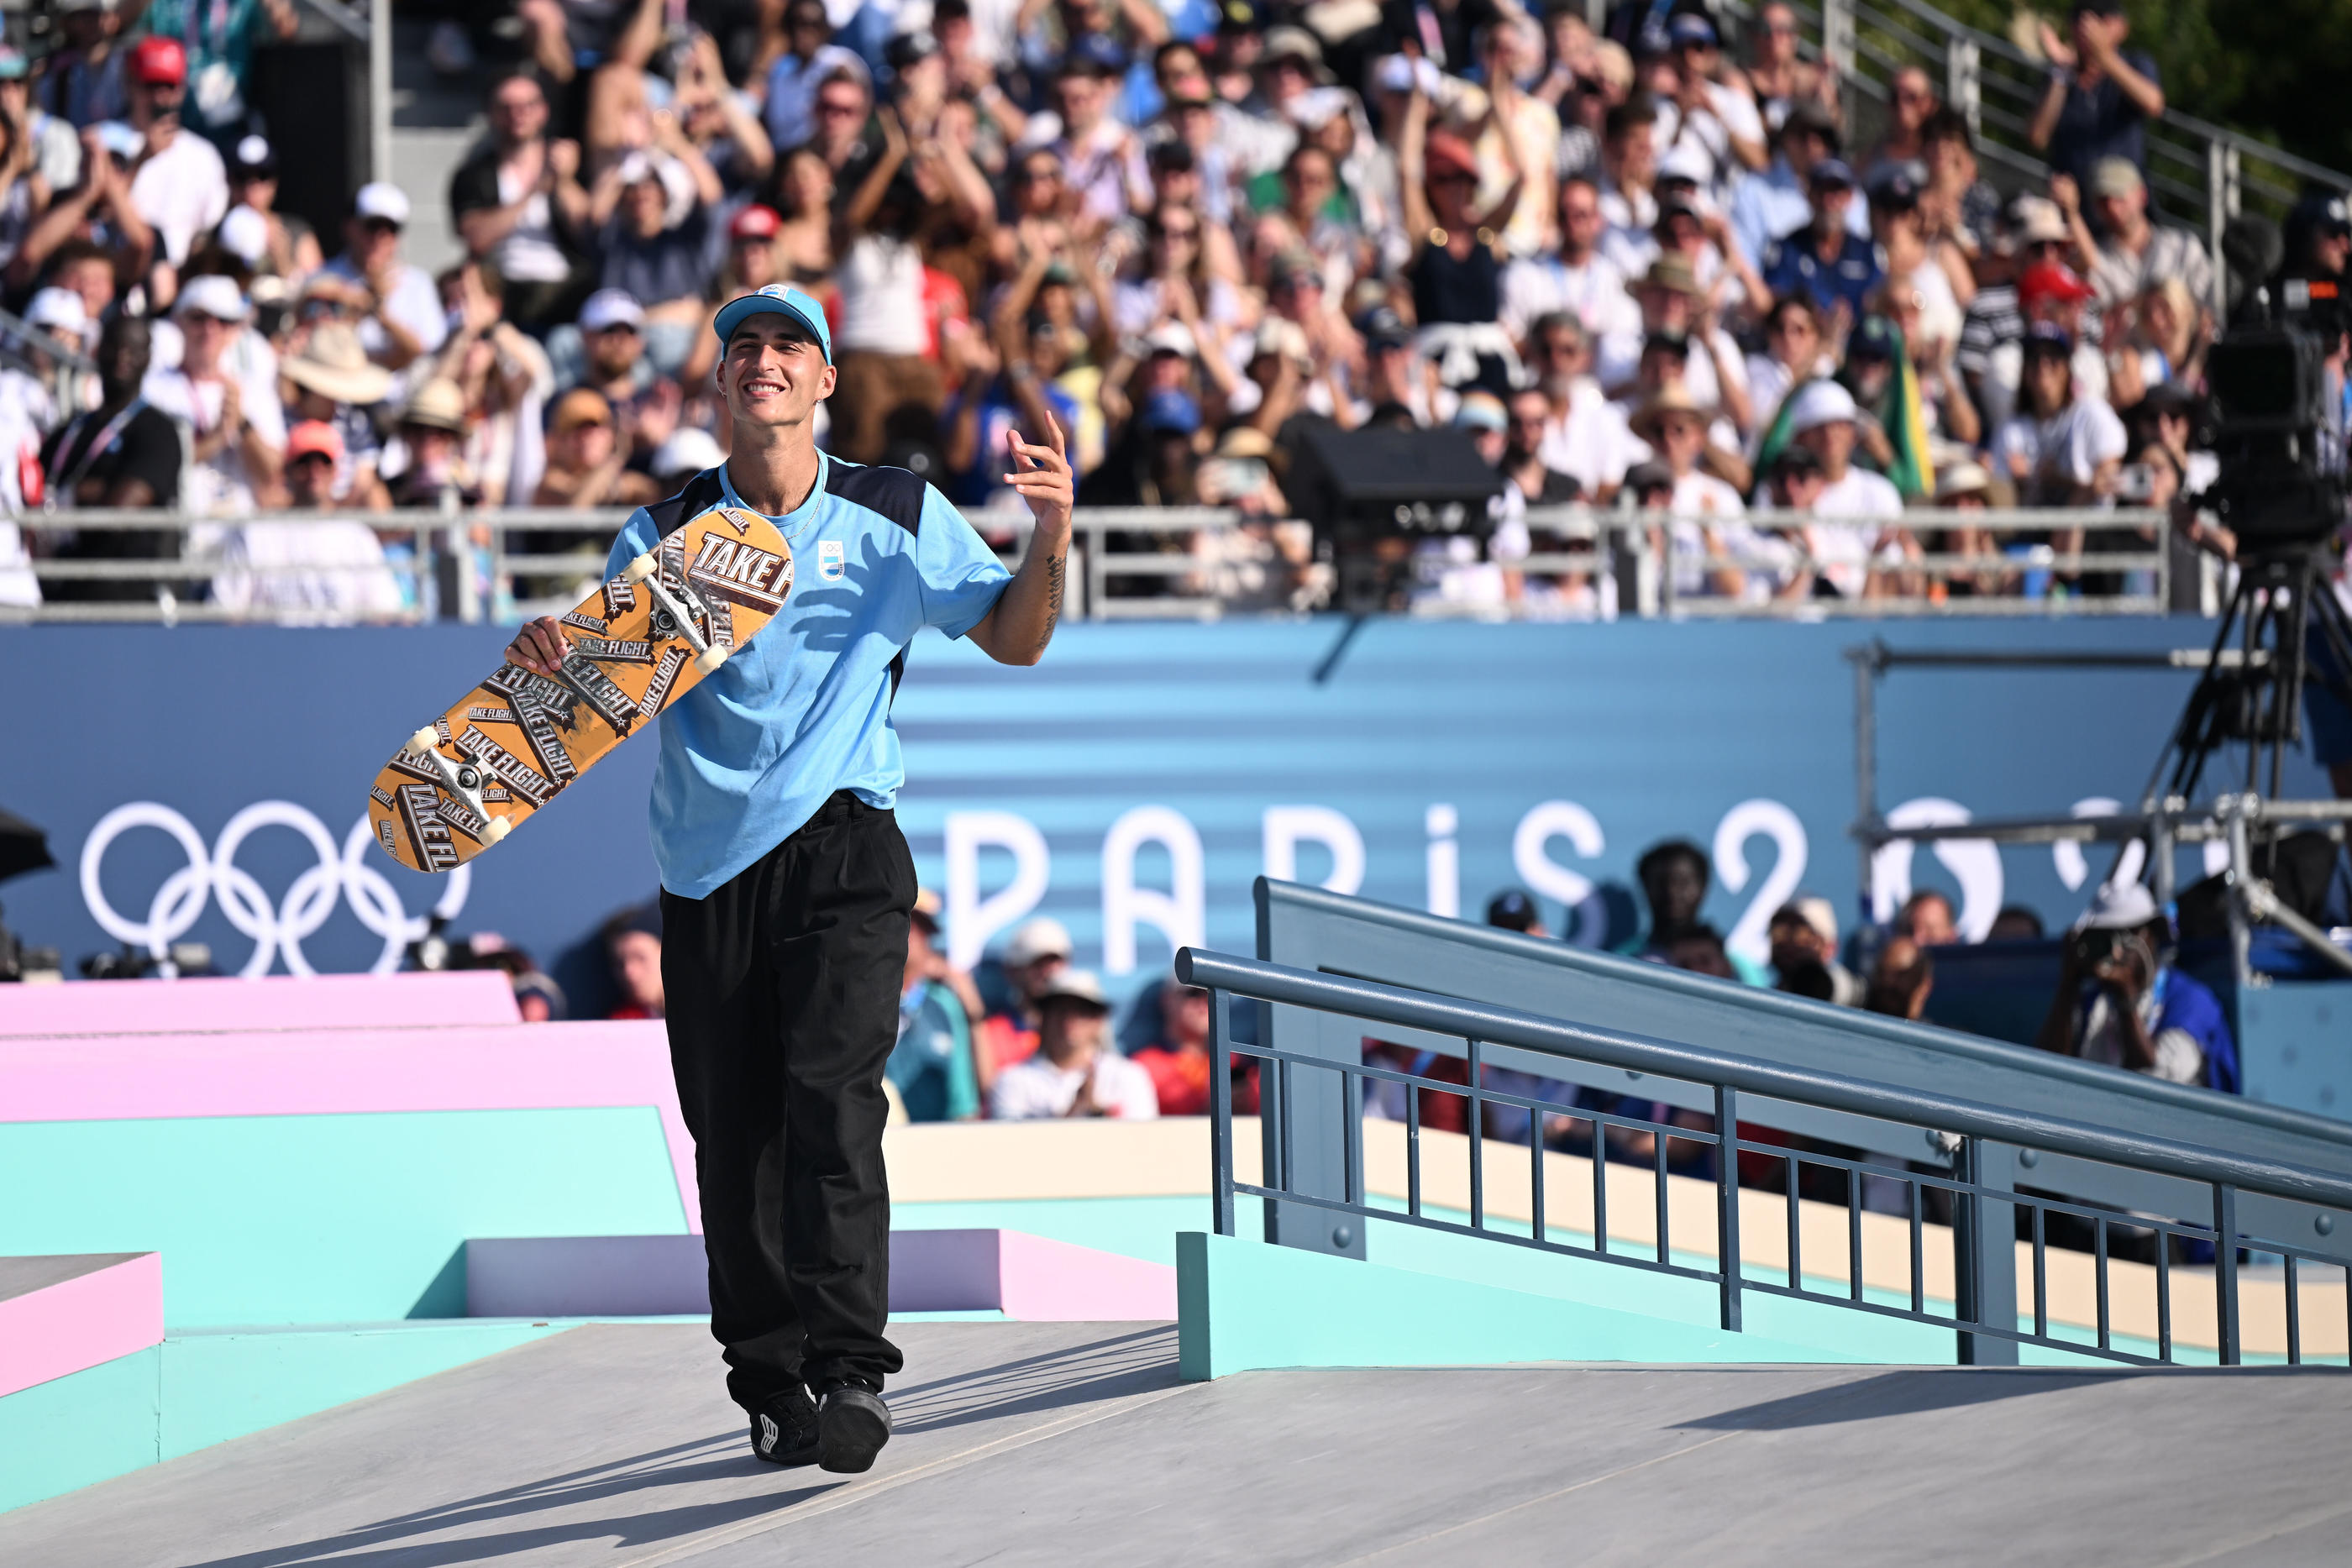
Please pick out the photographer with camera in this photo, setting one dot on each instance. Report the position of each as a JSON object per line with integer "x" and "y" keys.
{"x": 2121, "y": 1003}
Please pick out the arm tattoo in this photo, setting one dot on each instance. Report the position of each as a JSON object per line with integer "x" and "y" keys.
{"x": 1053, "y": 567}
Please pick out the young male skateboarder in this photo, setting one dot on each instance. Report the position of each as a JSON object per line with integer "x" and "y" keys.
{"x": 786, "y": 886}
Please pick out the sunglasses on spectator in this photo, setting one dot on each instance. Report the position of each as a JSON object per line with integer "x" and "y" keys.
{"x": 839, "y": 110}
{"x": 311, "y": 457}
{"x": 628, "y": 328}
{"x": 1185, "y": 233}
{"x": 1453, "y": 177}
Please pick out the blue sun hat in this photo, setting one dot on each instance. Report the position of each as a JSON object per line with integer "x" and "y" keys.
{"x": 784, "y": 301}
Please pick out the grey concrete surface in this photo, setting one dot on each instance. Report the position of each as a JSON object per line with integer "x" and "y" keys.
{"x": 1071, "y": 1444}
{"x": 23, "y": 1276}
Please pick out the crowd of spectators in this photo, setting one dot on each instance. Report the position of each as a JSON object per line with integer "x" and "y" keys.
{"x": 1641, "y": 265}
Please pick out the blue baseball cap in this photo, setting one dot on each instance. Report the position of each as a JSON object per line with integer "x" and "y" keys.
{"x": 784, "y": 301}
{"x": 1171, "y": 411}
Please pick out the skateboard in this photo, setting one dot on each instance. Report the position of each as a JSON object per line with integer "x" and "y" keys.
{"x": 512, "y": 743}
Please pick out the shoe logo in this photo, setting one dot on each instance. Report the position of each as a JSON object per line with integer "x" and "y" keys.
{"x": 768, "y": 1435}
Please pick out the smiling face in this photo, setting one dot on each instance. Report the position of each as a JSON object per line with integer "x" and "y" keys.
{"x": 774, "y": 373}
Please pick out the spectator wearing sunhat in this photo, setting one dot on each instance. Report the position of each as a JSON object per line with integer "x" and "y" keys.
{"x": 237, "y": 427}
{"x": 1853, "y": 502}
{"x": 180, "y": 187}
{"x": 1675, "y": 423}
{"x": 426, "y": 466}
{"x": 401, "y": 317}
{"x": 335, "y": 383}
{"x": 1076, "y": 1074}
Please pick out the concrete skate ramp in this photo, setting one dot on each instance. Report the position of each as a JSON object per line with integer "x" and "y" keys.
{"x": 1074, "y": 1443}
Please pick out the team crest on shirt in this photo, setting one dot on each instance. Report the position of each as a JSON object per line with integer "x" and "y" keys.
{"x": 829, "y": 562}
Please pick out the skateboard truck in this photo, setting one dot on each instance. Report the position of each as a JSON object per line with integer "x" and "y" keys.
{"x": 644, "y": 568}
{"x": 462, "y": 779}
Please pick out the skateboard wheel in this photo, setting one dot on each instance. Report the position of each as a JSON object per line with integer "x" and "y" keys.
{"x": 498, "y": 829}
{"x": 642, "y": 568}
{"x": 710, "y": 659}
{"x": 425, "y": 739}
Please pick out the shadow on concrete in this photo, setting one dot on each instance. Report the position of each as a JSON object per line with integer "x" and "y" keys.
{"x": 1103, "y": 1369}
{"x": 1111, "y": 1368}
{"x": 1908, "y": 1393}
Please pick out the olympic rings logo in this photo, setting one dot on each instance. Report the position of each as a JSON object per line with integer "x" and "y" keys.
{"x": 276, "y": 930}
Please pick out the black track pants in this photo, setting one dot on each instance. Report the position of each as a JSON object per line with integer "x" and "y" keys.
{"x": 783, "y": 999}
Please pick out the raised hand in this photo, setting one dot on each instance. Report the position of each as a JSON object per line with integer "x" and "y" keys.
{"x": 1041, "y": 476}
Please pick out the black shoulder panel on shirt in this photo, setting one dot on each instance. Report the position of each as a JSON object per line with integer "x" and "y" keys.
{"x": 893, "y": 493}
{"x": 701, "y": 493}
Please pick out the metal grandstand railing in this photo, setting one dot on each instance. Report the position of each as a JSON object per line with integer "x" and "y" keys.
{"x": 1968, "y": 1127}
{"x": 2202, "y": 174}
{"x": 1134, "y": 563}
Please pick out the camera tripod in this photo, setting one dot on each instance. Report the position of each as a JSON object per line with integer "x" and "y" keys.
{"x": 2279, "y": 614}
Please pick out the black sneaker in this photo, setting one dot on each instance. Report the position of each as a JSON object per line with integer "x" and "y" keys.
{"x": 784, "y": 1430}
{"x": 852, "y": 1425}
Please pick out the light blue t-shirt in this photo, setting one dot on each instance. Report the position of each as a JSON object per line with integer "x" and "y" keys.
{"x": 803, "y": 709}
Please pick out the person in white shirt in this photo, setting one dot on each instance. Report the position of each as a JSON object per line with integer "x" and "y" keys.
{"x": 1629, "y": 172}
{"x": 324, "y": 570}
{"x": 180, "y": 187}
{"x": 2060, "y": 449}
{"x": 1852, "y": 500}
{"x": 1706, "y": 554}
{"x": 1074, "y": 1071}
{"x": 404, "y": 316}
{"x": 1586, "y": 436}
{"x": 1578, "y": 281}
{"x": 238, "y": 428}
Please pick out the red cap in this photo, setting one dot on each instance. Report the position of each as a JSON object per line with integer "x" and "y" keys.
{"x": 155, "y": 58}
{"x": 755, "y": 222}
{"x": 2052, "y": 280}
{"x": 1447, "y": 153}
{"x": 314, "y": 435}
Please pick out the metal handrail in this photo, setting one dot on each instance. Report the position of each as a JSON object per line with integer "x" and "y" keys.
{"x": 1969, "y": 1125}
{"x": 1703, "y": 1065}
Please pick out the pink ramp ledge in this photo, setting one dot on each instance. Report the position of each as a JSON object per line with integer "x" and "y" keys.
{"x": 60, "y": 1314}
{"x": 1022, "y": 1276}
{"x": 480, "y": 996}
{"x": 553, "y": 1066}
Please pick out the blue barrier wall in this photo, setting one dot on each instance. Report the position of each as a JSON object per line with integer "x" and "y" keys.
{"x": 1132, "y": 785}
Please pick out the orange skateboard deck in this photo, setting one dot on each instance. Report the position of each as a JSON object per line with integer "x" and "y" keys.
{"x": 512, "y": 744}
